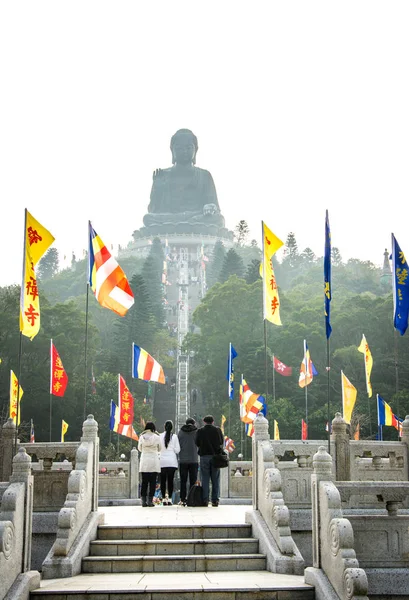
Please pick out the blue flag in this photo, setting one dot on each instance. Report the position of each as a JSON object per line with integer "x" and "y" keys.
{"x": 327, "y": 277}
{"x": 230, "y": 371}
{"x": 400, "y": 285}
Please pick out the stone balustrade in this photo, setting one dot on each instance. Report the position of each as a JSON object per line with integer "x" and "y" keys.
{"x": 119, "y": 480}
{"x": 78, "y": 518}
{"x": 16, "y": 528}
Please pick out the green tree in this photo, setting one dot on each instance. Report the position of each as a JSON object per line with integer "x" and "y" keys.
{"x": 216, "y": 263}
{"x": 152, "y": 275}
{"x": 241, "y": 233}
{"x": 232, "y": 265}
{"x": 253, "y": 271}
{"x": 48, "y": 265}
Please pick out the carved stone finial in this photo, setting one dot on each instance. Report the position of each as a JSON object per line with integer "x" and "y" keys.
{"x": 322, "y": 461}
{"x": 260, "y": 424}
{"x": 90, "y": 428}
{"x": 9, "y": 424}
{"x": 405, "y": 430}
{"x": 21, "y": 466}
{"x": 338, "y": 424}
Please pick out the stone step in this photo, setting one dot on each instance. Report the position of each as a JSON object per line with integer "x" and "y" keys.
{"x": 176, "y": 532}
{"x": 179, "y": 547}
{"x": 174, "y": 563}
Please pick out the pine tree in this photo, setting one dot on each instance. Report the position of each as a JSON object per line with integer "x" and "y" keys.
{"x": 241, "y": 233}
{"x": 308, "y": 256}
{"x": 336, "y": 257}
{"x": 253, "y": 271}
{"x": 291, "y": 257}
{"x": 216, "y": 263}
{"x": 232, "y": 265}
{"x": 152, "y": 276}
{"x": 48, "y": 265}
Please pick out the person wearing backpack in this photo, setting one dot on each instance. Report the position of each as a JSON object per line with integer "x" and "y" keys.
{"x": 209, "y": 440}
{"x": 170, "y": 449}
{"x": 149, "y": 463}
{"x": 188, "y": 458}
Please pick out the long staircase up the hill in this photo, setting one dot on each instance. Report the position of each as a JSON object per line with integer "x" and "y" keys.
{"x": 183, "y": 562}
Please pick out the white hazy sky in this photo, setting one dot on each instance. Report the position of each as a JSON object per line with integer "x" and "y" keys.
{"x": 298, "y": 106}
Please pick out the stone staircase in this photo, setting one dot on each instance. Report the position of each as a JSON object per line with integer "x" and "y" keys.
{"x": 154, "y": 562}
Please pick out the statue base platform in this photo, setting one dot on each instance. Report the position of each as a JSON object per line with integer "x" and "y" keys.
{"x": 169, "y": 229}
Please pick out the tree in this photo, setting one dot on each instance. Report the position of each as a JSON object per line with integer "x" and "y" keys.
{"x": 291, "y": 257}
{"x": 152, "y": 276}
{"x": 48, "y": 265}
{"x": 253, "y": 271}
{"x": 232, "y": 265}
{"x": 241, "y": 233}
{"x": 216, "y": 263}
{"x": 336, "y": 257}
{"x": 307, "y": 256}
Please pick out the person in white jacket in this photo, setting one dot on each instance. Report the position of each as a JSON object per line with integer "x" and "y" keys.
{"x": 149, "y": 463}
{"x": 169, "y": 451}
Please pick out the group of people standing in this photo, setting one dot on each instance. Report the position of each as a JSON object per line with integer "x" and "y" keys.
{"x": 166, "y": 452}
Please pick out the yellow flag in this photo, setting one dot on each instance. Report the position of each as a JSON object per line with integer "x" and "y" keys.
{"x": 36, "y": 242}
{"x": 348, "y": 397}
{"x": 364, "y": 348}
{"x": 276, "y": 431}
{"x": 222, "y": 423}
{"x": 271, "y": 302}
{"x": 14, "y": 386}
{"x": 38, "y": 238}
{"x": 64, "y": 428}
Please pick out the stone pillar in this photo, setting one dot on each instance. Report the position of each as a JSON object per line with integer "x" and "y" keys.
{"x": 405, "y": 438}
{"x": 322, "y": 465}
{"x": 134, "y": 474}
{"x": 342, "y": 451}
{"x": 7, "y": 443}
{"x": 224, "y": 482}
{"x": 22, "y": 474}
{"x": 260, "y": 434}
{"x": 90, "y": 434}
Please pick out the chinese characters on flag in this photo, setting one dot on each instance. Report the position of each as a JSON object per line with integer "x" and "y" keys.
{"x": 271, "y": 302}
{"x": 15, "y": 390}
{"x": 37, "y": 240}
{"x": 58, "y": 375}
{"x": 125, "y": 402}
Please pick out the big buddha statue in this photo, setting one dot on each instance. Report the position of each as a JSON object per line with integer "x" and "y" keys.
{"x": 183, "y": 197}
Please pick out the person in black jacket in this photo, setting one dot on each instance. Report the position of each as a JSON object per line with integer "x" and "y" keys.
{"x": 188, "y": 457}
{"x": 209, "y": 440}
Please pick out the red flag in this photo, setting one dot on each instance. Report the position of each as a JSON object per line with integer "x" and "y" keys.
{"x": 304, "y": 430}
{"x": 281, "y": 368}
{"x": 125, "y": 402}
{"x": 58, "y": 375}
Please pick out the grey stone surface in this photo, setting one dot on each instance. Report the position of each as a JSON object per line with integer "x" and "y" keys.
{"x": 23, "y": 585}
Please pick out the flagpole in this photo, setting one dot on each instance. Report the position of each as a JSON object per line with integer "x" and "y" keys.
{"x": 377, "y": 411}
{"x": 306, "y": 384}
{"x": 51, "y": 378}
{"x": 18, "y": 393}
{"x": 396, "y": 375}
{"x": 265, "y": 358}
{"x": 328, "y": 399}
{"x": 274, "y": 381}
{"x": 85, "y": 351}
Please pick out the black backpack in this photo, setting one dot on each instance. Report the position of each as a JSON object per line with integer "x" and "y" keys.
{"x": 195, "y": 496}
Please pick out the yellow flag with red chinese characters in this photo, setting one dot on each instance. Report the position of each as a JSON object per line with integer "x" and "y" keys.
{"x": 364, "y": 348}
{"x": 349, "y": 393}
{"x": 15, "y": 390}
{"x": 271, "y": 301}
{"x": 64, "y": 429}
{"x": 37, "y": 240}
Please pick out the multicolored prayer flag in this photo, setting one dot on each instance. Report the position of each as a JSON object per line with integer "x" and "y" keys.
{"x": 249, "y": 428}
{"x": 281, "y": 368}
{"x": 271, "y": 303}
{"x": 117, "y": 427}
{"x": 276, "y": 431}
{"x": 145, "y": 367}
{"x": 125, "y": 402}
{"x": 58, "y": 375}
{"x": 364, "y": 348}
{"x": 37, "y": 240}
{"x": 106, "y": 278}
{"x": 385, "y": 414}
{"x": 327, "y": 276}
{"x": 15, "y": 389}
{"x": 349, "y": 393}
{"x": 251, "y": 404}
{"x": 32, "y": 436}
{"x": 64, "y": 429}
{"x": 400, "y": 273}
{"x": 229, "y": 444}
{"x": 307, "y": 369}
{"x": 230, "y": 371}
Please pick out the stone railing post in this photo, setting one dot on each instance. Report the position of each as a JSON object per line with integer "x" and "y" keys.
{"x": 8, "y": 437}
{"x": 322, "y": 464}
{"x": 90, "y": 434}
{"x": 260, "y": 434}
{"x": 134, "y": 474}
{"x": 22, "y": 474}
{"x": 340, "y": 437}
{"x": 405, "y": 431}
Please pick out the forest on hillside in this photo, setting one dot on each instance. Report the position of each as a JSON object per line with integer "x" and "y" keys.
{"x": 230, "y": 312}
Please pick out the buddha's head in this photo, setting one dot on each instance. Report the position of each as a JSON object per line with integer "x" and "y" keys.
{"x": 184, "y": 147}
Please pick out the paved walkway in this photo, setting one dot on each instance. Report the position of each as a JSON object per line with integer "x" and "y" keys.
{"x": 200, "y": 581}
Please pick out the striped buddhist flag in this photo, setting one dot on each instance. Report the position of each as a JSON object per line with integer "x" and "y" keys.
{"x": 32, "y": 436}
{"x": 145, "y": 367}
{"x": 106, "y": 278}
{"x": 385, "y": 413}
{"x": 251, "y": 404}
{"x": 229, "y": 444}
{"x": 117, "y": 427}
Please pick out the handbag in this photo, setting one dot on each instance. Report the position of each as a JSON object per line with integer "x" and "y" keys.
{"x": 221, "y": 460}
{"x": 195, "y": 495}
